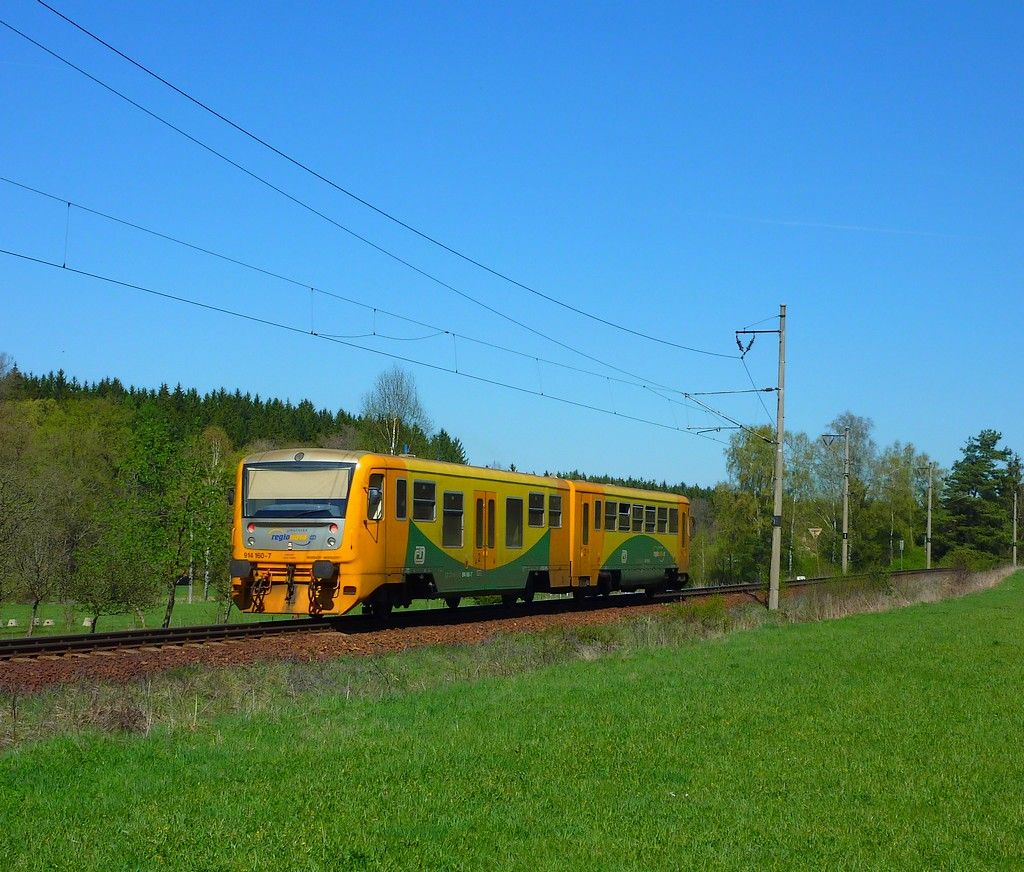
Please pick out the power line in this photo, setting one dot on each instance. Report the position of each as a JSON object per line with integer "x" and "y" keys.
{"x": 327, "y": 218}
{"x": 762, "y": 321}
{"x": 306, "y": 285}
{"x": 348, "y": 193}
{"x": 724, "y": 417}
{"x": 296, "y": 330}
{"x": 743, "y": 360}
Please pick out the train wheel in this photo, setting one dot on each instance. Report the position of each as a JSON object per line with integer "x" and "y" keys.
{"x": 378, "y": 609}
{"x": 528, "y": 593}
{"x": 452, "y": 602}
{"x": 508, "y": 600}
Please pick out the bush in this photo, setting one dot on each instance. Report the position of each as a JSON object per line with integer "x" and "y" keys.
{"x": 708, "y": 614}
{"x": 880, "y": 579}
{"x": 967, "y": 559}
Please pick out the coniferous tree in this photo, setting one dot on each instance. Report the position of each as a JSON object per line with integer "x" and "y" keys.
{"x": 446, "y": 447}
{"x": 977, "y": 499}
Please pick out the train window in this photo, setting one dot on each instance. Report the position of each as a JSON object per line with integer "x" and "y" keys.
{"x": 375, "y": 497}
{"x": 401, "y": 499}
{"x": 649, "y": 513}
{"x": 490, "y": 523}
{"x": 536, "y": 518}
{"x": 623, "y": 517}
{"x": 611, "y": 509}
{"x": 586, "y": 523}
{"x": 513, "y": 522}
{"x": 597, "y": 514}
{"x": 662, "y": 519}
{"x": 554, "y": 511}
{"x": 451, "y": 523}
{"x": 638, "y": 519}
{"x": 480, "y": 523}
{"x": 424, "y": 501}
{"x": 673, "y": 520}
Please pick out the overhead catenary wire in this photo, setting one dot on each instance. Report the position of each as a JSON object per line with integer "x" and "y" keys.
{"x": 330, "y": 220}
{"x": 301, "y": 332}
{"x": 356, "y": 235}
{"x": 750, "y": 376}
{"x": 634, "y": 381}
{"x": 364, "y": 202}
{"x": 762, "y": 321}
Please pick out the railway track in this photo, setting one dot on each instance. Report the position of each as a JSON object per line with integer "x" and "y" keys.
{"x": 82, "y": 643}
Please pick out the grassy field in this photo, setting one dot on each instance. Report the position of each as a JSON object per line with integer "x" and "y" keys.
{"x": 879, "y": 741}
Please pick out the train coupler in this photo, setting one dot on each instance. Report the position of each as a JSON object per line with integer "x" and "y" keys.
{"x": 259, "y": 590}
{"x": 290, "y": 595}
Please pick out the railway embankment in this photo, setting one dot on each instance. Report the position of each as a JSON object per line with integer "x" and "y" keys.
{"x": 144, "y": 688}
{"x": 28, "y": 665}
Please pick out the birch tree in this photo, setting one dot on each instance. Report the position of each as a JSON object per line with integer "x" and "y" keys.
{"x": 393, "y": 410}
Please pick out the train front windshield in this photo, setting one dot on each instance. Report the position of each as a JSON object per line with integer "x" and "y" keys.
{"x": 296, "y": 490}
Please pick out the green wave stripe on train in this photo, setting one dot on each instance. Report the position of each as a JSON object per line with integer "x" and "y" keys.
{"x": 643, "y": 555}
{"x": 453, "y": 576}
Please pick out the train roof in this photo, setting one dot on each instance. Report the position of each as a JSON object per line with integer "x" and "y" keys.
{"x": 334, "y": 455}
{"x": 324, "y": 455}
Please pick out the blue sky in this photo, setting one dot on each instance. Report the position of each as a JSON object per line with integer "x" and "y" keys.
{"x": 679, "y": 169}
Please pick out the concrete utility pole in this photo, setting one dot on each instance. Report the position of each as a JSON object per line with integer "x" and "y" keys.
{"x": 792, "y": 536}
{"x": 928, "y": 530}
{"x": 827, "y": 439}
{"x": 1015, "y": 490}
{"x": 775, "y": 570}
{"x": 846, "y": 503}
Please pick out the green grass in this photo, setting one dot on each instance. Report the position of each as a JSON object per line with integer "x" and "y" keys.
{"x": 69, "y": 618}
{"x": 879, "y": 741}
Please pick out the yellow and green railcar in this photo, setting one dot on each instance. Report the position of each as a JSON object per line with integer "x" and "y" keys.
{"x": 319, "y": 531}
{"x": 629, "y": 539}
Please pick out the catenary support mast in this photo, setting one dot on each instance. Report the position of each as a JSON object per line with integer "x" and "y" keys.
{"x": 774, "y": 570}
{"x": 846, "y": 503}
{"x": 928, "y": 533}
{"x": 780, "y": 433}
{"x": 1015, "y": 492}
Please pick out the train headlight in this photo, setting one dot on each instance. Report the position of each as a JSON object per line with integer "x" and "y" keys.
{"x": 252, "y": 540}
{"x": 333, "y": 528}
{"x": 331, "y": 542}
{"x": 251, "y": 528}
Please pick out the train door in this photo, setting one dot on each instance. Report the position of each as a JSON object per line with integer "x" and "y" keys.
{"x": 583, "y": 540}
{"x": 396, "y": 513}
{"x": 683, "y": 534}
{"x": 376, "y": 556}
{"x": 484, "y": 508}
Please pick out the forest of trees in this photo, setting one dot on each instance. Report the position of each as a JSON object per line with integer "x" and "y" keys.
{"x": 109, "y": 494}
{"x": 972, "y": 505}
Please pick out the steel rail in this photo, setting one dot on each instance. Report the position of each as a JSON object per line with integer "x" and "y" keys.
{"x": 84, "y": 643}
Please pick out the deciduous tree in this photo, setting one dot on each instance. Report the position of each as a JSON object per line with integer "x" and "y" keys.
{"x": 393, "y": 410}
